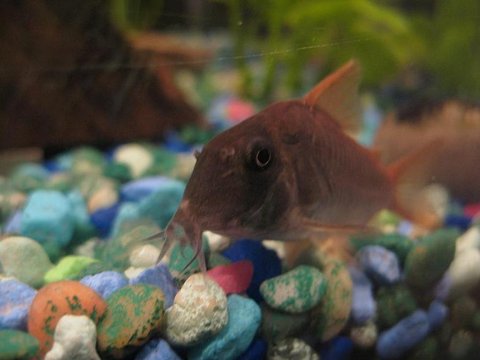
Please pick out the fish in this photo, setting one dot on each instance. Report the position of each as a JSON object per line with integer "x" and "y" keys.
{"x": 454, "y": 122}
{"x": 291, "y": 171}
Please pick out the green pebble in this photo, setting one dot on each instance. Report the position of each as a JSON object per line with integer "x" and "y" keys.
{"x": 63, "y": 182}
{"x": 394, "y": 304}
{"x": 163, "y": 162}
{"x": 216, "y": 259}
{"x": 118, "y": 171}
{"x": 87, "y": 160}
{"x": 296, "y": 291}
{"x": 181, "y": 256}
{"x": 430, "y": 258}
{"x": 25, "y": 259}
{"x": 134, "y": 313}
{"x": 17, "y": 345}
{"x": 397, "y": 243}
{"x": 116, "y": 252}
{"x": 28, "y": 177}
{"x": 68, "y": 268}
{"x": 426, "y": 350}
{"x": 278, "y": 325}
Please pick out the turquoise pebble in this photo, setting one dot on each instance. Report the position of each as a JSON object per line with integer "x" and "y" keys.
{"x": 244, "y": 320}
{"x": 47, "y": 218}
{"x": 28, "y": 177}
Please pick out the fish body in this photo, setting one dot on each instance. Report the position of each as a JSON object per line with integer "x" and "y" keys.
{"x": 456, "y": 124}
{"x": 289, "y": 172}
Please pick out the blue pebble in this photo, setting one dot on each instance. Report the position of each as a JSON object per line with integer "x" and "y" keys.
{"x": 13, "y": 224}
{"x": 163, "y": 203}
{"x": 364, "y": 306}
{"x": 396, "y": 341}
{"x": 380, "y": 264}
{"x": 339, "y": 348}
{"x": 105, "y": 283}
{"x": 15, "y": 300}
{"x": 173, "y": 142}
{"x": 256, "y": 351}
{"x": 442, "y": 289}
{"x": 157, "y": 349}
{"x": 266, "y": 263}
{"x": 47, "y": 218}
{"x": 461, "y": 222}
{"x": 244, "y": 317}
{"x": 103, "y": 219}
{"x": 136, "y": 190}
{"x": 437, "y": 313}
{"x": 160, "y": 276}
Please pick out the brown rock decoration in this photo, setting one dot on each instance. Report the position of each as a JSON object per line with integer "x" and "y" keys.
{"x": 68, "y": 77}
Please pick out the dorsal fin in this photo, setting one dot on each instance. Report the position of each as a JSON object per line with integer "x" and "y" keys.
{"x": 337, "y": 95}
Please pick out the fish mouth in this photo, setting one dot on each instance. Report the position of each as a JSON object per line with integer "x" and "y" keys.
{"x": 184, "y": 230}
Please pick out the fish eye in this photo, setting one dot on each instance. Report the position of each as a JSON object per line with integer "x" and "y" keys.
{"x": 260, "y": 157}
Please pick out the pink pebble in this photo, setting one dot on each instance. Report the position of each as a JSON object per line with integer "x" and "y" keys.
{"x": 233, "y": 278}
{"x": 472, "y": 210}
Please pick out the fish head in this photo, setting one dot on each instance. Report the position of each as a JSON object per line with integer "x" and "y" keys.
{"x": 241, "y": 185}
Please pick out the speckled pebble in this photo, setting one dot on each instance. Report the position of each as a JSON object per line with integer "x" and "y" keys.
{"x": 157, "y": 349}
{"x": 266, "y": 263}
{"x": 15, "y": 300}
{"x": 69, "y": 268}
{"x": 395, "y": 342}
{"x": 364, "y": 336}
{"x": 105, "y": 283}
{"x": 16, "y": 344}
{"x": 393, "y": 304}
{"x": 430, "y": 258}
{"x": 199, "y": 311}
{"x": 16, "y": 251}
{"x": 380, "y": 264}
{"x": 47, "y": 218}
{"x": 75, "y": 338}
{"x": 58, "y": 299}
{"x": 364, "y": 306}
{"x": 296, "y": 291}
{"x": 243, "y": 321}
{"x": 134, "y": 313}
{"x": 333, "y": 312}
{"x": 233, "y": 278}
{"x": 159, "y": 276}
{"x": 291, "y": 348}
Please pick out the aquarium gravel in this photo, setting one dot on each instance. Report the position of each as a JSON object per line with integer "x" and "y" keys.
{"x": 79, "y": 280}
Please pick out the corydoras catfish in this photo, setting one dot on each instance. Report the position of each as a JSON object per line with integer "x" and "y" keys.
{"x": 291, "y": 172}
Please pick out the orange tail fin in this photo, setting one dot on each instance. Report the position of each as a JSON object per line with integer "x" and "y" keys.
{"x": 410, "y": 175}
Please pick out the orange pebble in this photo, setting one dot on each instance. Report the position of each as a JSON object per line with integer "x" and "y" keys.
{"x": 58, "y": 299}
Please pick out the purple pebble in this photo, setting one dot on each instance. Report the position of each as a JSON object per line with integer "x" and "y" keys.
{"x": 266, "y": 263}
{"x": 396, "y": 341}
{"x": 157, "y": 349}
{"x": 364, "y": 306}
{"x": 442, "y": 289}
{"x": 160, "y": 276}
{"x": 105, "y": 283}
{"x": 380, "y": 264}
{"x": 15, "y": 300}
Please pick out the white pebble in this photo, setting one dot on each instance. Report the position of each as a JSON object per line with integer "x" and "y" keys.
{"x": 135, "y": 156}
{"x": 469, "y": 240}
{"x": 104, "y": 197}
{"x": 133, "y": 272}
{"x": 464, "y": 272}
{"x": 364, "y": 336}
{"x": 144, "y": 256}
{"x": 75, "y": 338}
{"x": 216, "y": 242}
{"x": 277, "y": 246}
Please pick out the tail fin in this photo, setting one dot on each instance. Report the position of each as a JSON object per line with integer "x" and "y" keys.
{"x": 410, "y": 175}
